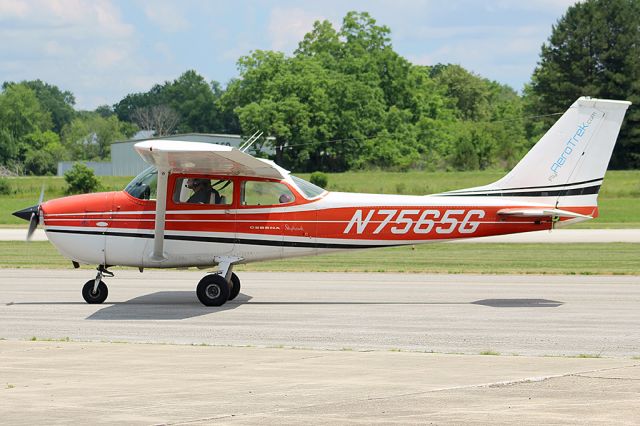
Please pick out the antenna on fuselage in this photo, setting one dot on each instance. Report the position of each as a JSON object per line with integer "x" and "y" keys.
{"x": 250, "y": 141}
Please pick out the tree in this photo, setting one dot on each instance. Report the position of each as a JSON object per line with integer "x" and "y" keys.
{"x": 89, "y": 137}
{"x": 21, "y": 112}
{"x": 159, "y": 118}
{"x": 20, "y": 115}
{"x": 190, "y": 96}
{"x": 593, "y": 50}
{"x": 43, "y": 151}
{"x": 9, "y": 146}
{"x": 57, "y": 102}
{"x": 104, "y": 111}
{"x": 81, "y": 179}
{"x": 346, "y": 99}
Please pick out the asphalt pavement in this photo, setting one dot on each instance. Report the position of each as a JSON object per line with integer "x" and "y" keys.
{"x": 321, "y": 348}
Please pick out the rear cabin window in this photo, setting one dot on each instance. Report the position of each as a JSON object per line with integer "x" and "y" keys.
{"x": 255, "y": 193}
{"x": 190, "y": 190}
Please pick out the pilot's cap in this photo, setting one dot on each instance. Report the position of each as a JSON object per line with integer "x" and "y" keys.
{"x": 191, "y": 182}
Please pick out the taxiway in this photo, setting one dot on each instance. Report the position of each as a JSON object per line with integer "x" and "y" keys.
{"x": 321, "y": 348}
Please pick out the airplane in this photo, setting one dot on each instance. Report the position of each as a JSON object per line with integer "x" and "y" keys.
{"x": 207, "y": 205}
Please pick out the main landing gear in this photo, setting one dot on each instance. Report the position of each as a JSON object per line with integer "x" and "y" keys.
{"x": 96, "y": 291}
{"x": 212, "y": 290}
{"x": 216, "y": 290}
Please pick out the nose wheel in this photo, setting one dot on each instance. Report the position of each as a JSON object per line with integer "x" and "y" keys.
{"x": 95, "y": 291}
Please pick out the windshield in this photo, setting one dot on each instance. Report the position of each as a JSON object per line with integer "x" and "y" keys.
{"x": 144, "y": 185}
{"x": 309, "y": 189}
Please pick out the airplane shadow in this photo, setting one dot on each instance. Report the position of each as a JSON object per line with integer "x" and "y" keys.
{"x": 494, "y": 303}
{"x": 163, "y": 305}
{"x": 177, "y": 305}
{"x": 518, "y": 303}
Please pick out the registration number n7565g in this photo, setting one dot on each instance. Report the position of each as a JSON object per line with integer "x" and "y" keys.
{"x": 418, "y": 221}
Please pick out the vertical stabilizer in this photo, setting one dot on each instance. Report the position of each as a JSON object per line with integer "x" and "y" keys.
{"x": 567, "y": 165}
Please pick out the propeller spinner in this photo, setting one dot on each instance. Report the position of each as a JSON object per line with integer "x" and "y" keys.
{"x": 32, "y": 214}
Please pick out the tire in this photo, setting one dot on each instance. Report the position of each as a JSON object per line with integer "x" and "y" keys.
{"x": 100, "y": 295}
{"x": 235, "y": 286}
{"x": 213, "y": 290}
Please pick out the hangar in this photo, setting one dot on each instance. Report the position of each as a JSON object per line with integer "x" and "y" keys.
{"x": 126, "y": 162}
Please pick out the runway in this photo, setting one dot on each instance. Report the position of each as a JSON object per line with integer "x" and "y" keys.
{"x": 521, "y": 314}
{"x": 320, "y": 348}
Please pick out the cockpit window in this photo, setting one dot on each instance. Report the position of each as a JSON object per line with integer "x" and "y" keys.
{"x": 145, "y": 185}
{"x": 309, "y": 189}
{"x": 193, "y": 190}
{"x": 259, "y": 193}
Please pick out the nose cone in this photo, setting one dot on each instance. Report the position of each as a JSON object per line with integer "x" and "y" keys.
{"x": 26, "y": 213}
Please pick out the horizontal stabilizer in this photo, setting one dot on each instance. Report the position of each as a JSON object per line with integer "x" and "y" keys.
{"x": 541, "y": 212}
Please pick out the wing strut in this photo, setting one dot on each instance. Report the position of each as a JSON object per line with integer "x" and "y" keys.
{"x": 161, "y": 210}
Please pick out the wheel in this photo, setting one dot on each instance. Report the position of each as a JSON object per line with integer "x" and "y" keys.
{"x": 99, "y": 296}
{"x": 235, "y": 286}
{"x": 213, "y": 290}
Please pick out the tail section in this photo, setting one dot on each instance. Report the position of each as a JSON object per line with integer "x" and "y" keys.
{"x": 567, "y": 165}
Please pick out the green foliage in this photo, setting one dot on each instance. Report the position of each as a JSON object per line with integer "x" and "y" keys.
{"x": 57, "y": 102}
{"x": 347, "y": 100}
{"x": 20, "y": 111}
{"x": 5, "y": 188}
{"x": 195, "y": 101}
{"x": 39, "y": 163}
{"x": 81, "y": 180}
{"x": 9, "y": 146}
{"x": 593, "y": 50}
{"x": 320, "y": 179}
{"x": 43, "y": 150}
{"x": 90, "y": 135}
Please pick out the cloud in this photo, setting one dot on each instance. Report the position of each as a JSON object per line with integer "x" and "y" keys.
{"x": 555, "y": 6}
{"x": 505, "y": 54}
{"x": 166, "y": 15}
{"x": 13, "y": 9}
{"x": 78, "y": 45}
{"x": 288, "y": 26}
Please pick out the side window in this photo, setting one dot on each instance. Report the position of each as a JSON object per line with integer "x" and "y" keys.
{"x": 202, "y": 191}
{"x": 255, "y": 193}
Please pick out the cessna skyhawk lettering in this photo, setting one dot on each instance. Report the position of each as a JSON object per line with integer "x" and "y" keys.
{"x": 205, "y": 205}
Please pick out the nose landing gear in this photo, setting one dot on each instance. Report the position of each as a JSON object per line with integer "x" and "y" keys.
{"x": 95, "y": 291}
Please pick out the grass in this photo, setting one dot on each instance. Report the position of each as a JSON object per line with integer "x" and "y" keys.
{"x": 39, "y": 339}
{"x": 482, "y": 258}
{"x": 25, "y": 192}
{"x": 490, "y": 352}
{"x": 619, "y": 198}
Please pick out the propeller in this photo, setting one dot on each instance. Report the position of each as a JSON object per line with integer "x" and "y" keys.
{"x": 32, "y": 214}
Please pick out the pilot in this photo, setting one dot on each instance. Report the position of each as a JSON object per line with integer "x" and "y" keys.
{"x": 202, "y": 192}
{"x": 285, "y": 198}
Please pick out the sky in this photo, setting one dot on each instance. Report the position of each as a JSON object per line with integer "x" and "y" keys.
{"x": 101, "y": 50}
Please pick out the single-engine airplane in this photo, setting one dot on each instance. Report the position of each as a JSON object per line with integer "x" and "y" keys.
{"x": 207, "y": 205}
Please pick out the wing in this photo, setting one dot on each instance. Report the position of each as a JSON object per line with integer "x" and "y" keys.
{"x": 198, "y": 157}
